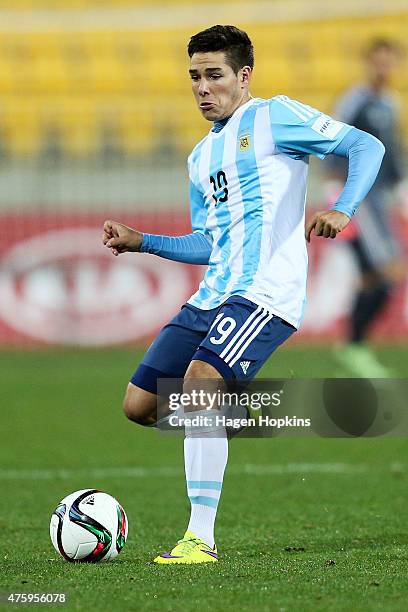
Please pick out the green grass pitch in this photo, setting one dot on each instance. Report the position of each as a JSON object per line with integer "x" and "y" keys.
{"x": 303, "y": 524}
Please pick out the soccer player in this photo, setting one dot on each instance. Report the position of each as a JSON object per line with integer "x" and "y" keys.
{"x": 247, "y": 195}
{"x": 372, "y": 107}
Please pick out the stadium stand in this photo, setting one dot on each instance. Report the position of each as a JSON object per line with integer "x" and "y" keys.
{"x": 81, "y": 92}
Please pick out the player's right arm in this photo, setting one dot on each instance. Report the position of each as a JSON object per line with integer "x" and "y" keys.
{"x": 121, "y": 238}
{"x": 194, "y": 248}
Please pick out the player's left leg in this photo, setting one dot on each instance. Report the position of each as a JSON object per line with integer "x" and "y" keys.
{"x": 205, "y": 459}
{"x": 240, "y": 339}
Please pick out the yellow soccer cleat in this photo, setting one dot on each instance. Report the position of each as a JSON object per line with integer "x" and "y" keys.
{"x": 189, "y": 550}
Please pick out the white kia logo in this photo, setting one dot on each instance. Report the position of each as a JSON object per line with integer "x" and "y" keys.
{"x": 64, "y": 286}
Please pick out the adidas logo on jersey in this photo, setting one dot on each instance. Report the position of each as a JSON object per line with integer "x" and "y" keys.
{"x": 90, "y": 501}
{"x": 245, "y": 365}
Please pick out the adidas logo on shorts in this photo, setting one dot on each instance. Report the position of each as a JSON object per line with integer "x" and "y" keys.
{"x": 245, "y": 365}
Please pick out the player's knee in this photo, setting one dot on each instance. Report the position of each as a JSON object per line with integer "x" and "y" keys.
{"x": 139, "y": 405}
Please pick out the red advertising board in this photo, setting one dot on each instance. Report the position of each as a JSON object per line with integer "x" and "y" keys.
{"x": 59, "y": 285}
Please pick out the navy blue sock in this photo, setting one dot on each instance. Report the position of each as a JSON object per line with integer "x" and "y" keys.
{"x": 368, "y": 304}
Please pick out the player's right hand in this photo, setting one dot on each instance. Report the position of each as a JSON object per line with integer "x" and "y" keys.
{"x": 120, "y": 238}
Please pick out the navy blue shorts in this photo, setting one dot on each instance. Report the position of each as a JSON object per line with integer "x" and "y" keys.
{"x": 236, "y": 338}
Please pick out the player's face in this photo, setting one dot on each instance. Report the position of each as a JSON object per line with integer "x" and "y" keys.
{"x": 218, "y": 91}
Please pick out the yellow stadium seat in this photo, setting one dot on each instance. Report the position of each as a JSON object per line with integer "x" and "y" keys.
{"x": 87, "y": 88}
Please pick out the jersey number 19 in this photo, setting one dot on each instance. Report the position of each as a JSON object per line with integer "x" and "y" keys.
{"x": 219, "y": 182}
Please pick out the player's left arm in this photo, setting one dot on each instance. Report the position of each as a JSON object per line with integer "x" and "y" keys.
{"x": 365, "y": 154}
{"x": 300, "y": 130}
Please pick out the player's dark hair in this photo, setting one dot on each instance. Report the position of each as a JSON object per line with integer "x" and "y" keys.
{"x": 233, "y": 42}
{"x": 377, "y": 44}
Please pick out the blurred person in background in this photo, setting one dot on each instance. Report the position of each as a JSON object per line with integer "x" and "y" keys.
{"x": 373, "y": 107}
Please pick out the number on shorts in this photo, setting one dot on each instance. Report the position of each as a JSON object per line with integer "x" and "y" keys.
{"x": 224, "y": 328}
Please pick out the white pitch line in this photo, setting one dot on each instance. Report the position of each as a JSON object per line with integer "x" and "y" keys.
{"x": 234, "y": 470}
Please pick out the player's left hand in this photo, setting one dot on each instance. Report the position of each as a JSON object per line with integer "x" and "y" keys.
{"x": 327, "y": 224}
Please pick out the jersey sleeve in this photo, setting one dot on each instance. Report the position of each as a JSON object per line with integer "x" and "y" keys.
{"x": 299, "y": 130}
{"x": 197, "y": 209}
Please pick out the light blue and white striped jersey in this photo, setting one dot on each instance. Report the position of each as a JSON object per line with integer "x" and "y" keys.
{"x": 247, "y": 195}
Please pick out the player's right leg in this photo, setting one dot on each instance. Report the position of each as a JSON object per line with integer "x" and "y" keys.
{"x": 140, "y": 405}
{"x": 167, "y": 357}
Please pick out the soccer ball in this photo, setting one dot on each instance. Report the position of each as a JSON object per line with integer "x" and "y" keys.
{"x": 88, "y": 525}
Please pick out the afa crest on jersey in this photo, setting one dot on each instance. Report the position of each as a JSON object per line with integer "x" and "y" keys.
{"x": 244, "y": 142}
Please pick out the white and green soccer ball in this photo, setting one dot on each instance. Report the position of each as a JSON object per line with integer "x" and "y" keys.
{"x": 89, "y": 525}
